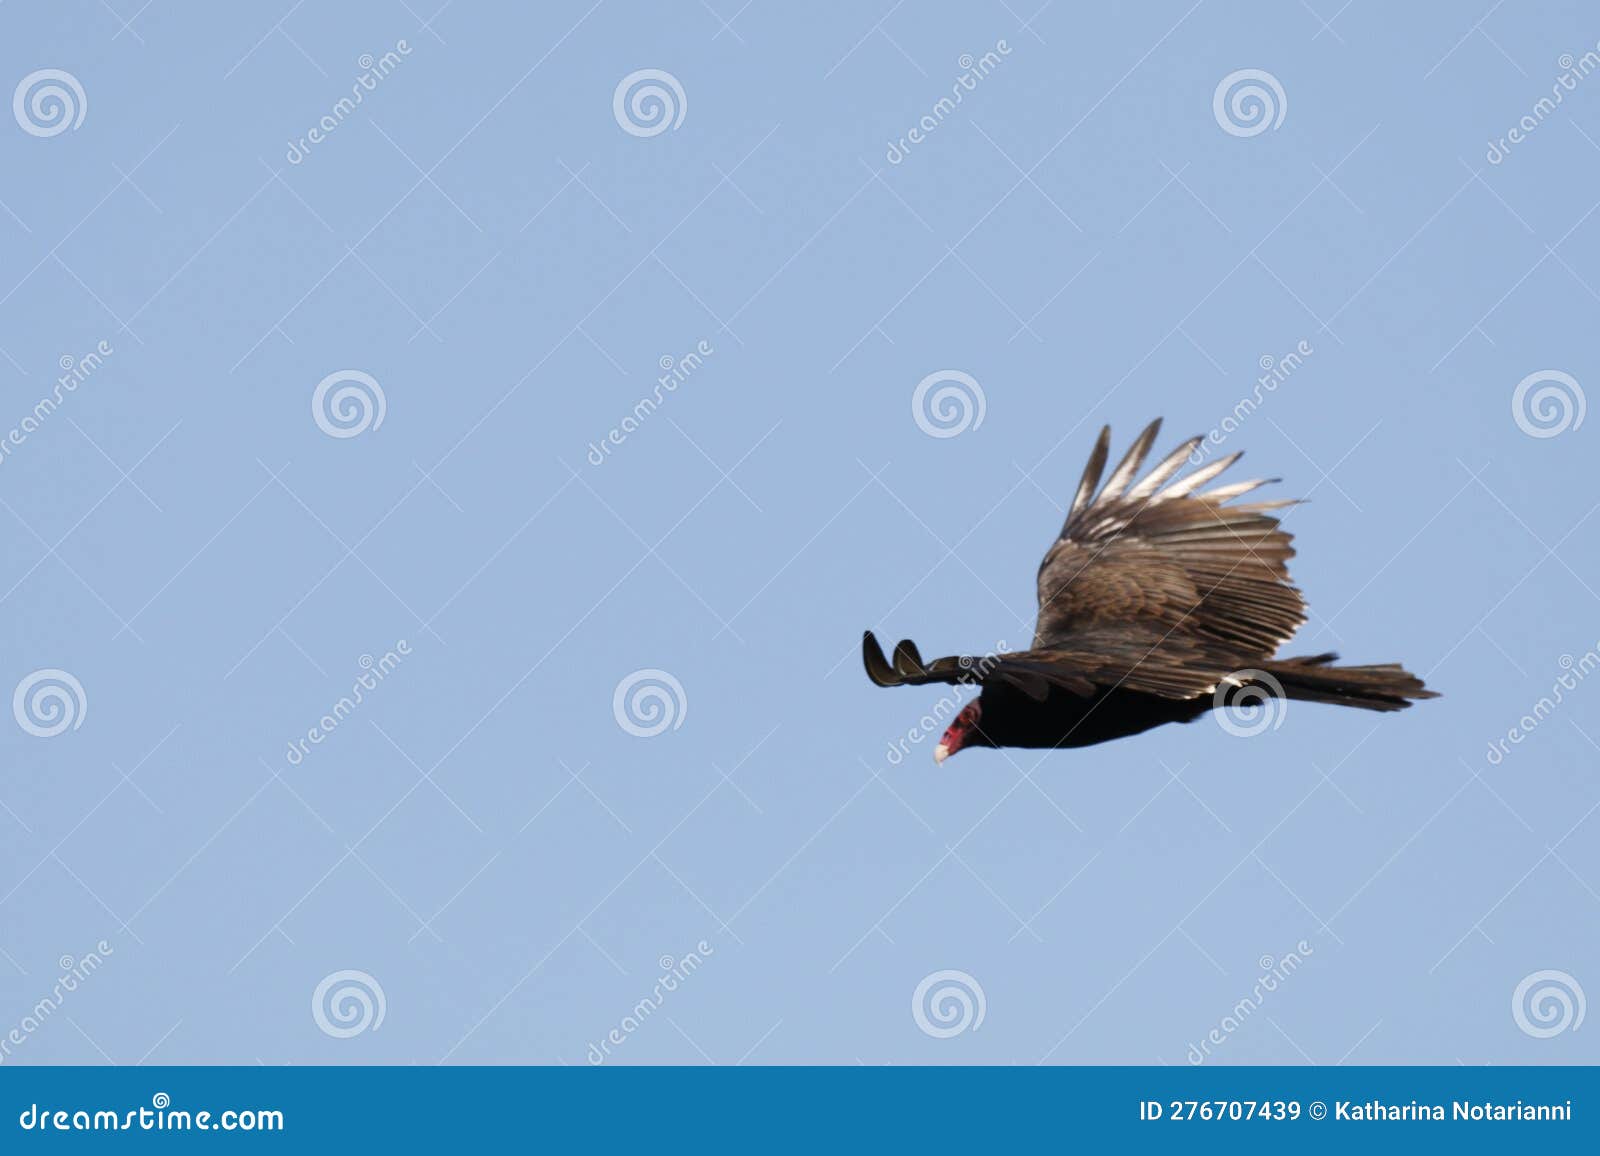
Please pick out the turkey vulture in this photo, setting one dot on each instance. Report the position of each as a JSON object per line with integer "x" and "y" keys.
{"x": 1157, "y": 600}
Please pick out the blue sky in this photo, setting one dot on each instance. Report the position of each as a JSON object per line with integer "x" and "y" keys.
{"x": 338, "y": 371}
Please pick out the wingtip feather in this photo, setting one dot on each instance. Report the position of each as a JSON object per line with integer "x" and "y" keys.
{"x": 1130, "y": 463}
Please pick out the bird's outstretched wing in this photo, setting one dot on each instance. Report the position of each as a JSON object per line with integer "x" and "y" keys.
{"x": 1193, "y": 587}
{"x": 1091, "y": 664}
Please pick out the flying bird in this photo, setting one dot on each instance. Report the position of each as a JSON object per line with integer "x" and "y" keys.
{"x": 1157, "y": 601}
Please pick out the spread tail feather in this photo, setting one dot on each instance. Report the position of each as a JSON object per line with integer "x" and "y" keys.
{"x": 1314, "y": 678}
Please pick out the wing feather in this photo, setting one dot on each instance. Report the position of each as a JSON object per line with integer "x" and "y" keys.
{"x": 1168, "y": 466}
{"x": 1129, "y": 465}
{"x": 1113, "y": 659}
{"x": 1202, "y": 584}
{"x": 1091, "y": 473}
{"x": 1237, "y": 489}
{"x": 1200, "y": 477}
{"x": 1156, "y": 585}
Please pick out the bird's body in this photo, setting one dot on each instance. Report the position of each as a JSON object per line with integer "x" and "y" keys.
{"x": 1157, "y": 602}
{"x": 1065, "y": 719}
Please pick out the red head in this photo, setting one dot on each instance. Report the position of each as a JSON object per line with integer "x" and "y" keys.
{"x": 960, "y": 733}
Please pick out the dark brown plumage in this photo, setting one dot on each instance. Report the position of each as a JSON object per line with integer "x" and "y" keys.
{"x": 1155, "y": 594}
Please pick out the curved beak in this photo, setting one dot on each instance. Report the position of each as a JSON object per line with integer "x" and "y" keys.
{"x": 940, "y": 753}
